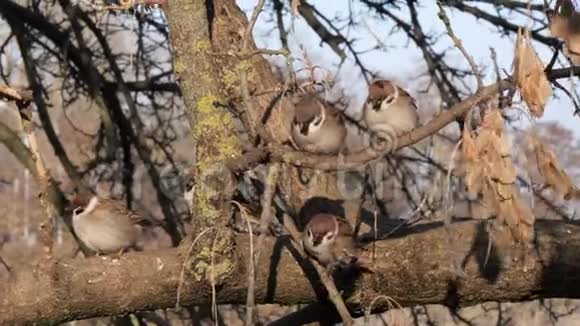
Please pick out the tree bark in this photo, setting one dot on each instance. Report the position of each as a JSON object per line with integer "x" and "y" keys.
{"x": 415, "y": 268}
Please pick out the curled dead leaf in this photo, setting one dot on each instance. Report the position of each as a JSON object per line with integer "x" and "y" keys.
{"x": 530, "y": 77}
{"x": 554, "y": 176}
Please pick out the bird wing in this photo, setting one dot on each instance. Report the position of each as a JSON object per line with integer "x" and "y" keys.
{"x": 120, "y": 209}
{"x": 407, "y": 95}
{"x": 344, "y": 228}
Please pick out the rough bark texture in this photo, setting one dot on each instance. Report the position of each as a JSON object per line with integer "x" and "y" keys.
{"x": 413, "y": 269}
{"x": 207, "y": 37}
{"x": 213, "y": 132}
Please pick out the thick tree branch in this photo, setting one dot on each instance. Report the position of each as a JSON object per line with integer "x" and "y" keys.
{"x": 412, "y": 269}
{"x": 14, "y": 144}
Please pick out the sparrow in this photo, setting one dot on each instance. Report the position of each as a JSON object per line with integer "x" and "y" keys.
{"x": 330, "y": 241}
{"x": 317, "y": 126}
{"x": 389, "y": 110}
{"x": 104, "y": 225}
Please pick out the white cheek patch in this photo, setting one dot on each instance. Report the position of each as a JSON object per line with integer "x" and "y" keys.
{"x": 92, "y": 204}
{"x": 313, "y": 127}
{"x": 386, "y": 103}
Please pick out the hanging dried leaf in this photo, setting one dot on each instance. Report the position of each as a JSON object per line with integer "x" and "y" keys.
{"x": 530, "y": 78}
{"x": 491, "y": 175}
{"x": 295, "y": 4}
{"x": 517, "y": 216}
{"x": 554, "y": 177}
{"x": 468, "y": 149}
{"x": 493, "y": 120}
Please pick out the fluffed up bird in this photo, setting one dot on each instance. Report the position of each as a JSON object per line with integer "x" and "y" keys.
{"x": 330, "y": 241}
{"x": 318, "y": 127}
{"x": 389, "y": 111}
{"x": 104, "y": 225}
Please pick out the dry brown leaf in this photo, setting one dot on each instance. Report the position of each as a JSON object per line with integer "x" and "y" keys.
{"x": 491, "y": 175}
{"x": 294, "y": 5}
{"x": 468, "y": 149}
{"x": 530, "y": 78}
{"x": 492, "y": 119}
{"x": 518, "y": 217}
{"x": 554, "y": 176}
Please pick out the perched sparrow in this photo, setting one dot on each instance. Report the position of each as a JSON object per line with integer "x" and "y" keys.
{"x": 329, "y": 240}
{"x": 389, "y": 110}
{"x": 105, "y": 225}
{"x": 318, "y": 127}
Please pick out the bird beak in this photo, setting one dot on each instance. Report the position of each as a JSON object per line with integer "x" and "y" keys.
{"x": 317, "y": 241}
{"x": 304, "y": 128}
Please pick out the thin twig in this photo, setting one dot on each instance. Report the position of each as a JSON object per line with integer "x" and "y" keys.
{"x": 185, "y": 262}
{"x": 265, "y": 218}
{"x": 3, "y": 262}
{"x": 244, "y": 88}
{"x": 443, "y": 17}
{"x": 357, "y": 159}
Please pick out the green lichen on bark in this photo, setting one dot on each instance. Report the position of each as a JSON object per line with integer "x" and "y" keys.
{"x": 216, "y": 260}
{"x": 216, "y": 142}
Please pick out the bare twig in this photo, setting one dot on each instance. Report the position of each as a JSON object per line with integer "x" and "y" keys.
{"x": 443, "y": 17}
{"x": 265, "y": 218}
{"x": 356, "y": 159}
{"x": 334, "y": 41}
{"x": 244, "y": 88}
{"x": 184, "y": 265}
{"x": 3, "y": 263}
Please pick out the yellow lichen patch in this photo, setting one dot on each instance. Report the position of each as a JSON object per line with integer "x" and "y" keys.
{"x": 179, "y": 67}
{"x": 202, "y": 46}
{"x": 214, "y": 131}
{"x": 232, "y": 77}
{"x": 213, "y": 263}
{"x": 216, "y": 141}
{"x": 203, "y": 203}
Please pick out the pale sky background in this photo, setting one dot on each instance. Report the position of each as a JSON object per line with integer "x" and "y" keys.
{"x": 404, "y": 61}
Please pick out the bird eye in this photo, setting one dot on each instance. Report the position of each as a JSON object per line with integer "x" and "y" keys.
{"x": 78, "y": 210}
{"x": 317, "y": 121}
